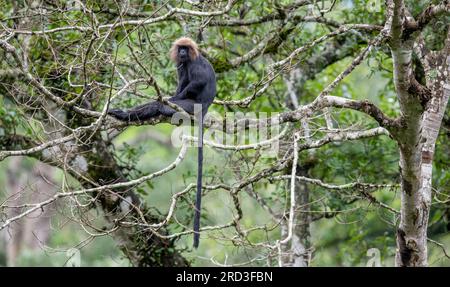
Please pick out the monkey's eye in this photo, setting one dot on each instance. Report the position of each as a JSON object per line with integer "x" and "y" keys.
{"x": 183, "y": 51}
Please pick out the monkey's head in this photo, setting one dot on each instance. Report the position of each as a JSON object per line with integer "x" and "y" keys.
{"x": 184, "y": 50}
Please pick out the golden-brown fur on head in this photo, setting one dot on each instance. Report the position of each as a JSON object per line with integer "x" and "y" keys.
{"x": 184, "y": 41}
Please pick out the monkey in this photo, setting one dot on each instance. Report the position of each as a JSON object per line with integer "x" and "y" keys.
{"x": 196, "y": 85}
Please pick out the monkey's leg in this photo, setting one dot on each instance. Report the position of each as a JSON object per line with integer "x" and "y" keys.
{"x": 139, "y": 113}
{"x": 186, "y": 104}
{"x": 118, "y": 114}
{"x": 152, "y": 109}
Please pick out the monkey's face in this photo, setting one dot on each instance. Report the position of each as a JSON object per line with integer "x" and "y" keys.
{"x": 183, "y": 54}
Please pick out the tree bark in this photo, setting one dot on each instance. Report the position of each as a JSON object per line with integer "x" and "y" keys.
{"x": 416, "y": 159}
{"x": 422, "y": 109}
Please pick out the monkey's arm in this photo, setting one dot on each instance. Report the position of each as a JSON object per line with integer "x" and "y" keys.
{"x": 198, "y": 79}
{"x": 193, "y": 88}
{"x": 182, "y": 80}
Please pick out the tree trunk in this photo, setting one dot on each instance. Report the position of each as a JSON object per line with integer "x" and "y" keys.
{"x": 416, "y": 167}
{"x": 422, "y": 107}
{"x": 417, "y": 143}
{"x": 27, "y": 183}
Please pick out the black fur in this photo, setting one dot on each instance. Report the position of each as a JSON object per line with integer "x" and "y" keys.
{"x": 196, "y": 85}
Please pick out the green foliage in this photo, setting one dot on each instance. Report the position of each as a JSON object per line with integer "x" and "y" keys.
{"x": 341, "y": 240}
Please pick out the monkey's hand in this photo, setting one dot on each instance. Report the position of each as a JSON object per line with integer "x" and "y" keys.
{"x": 180, "y": 96}
{"x": 118, "y": 114}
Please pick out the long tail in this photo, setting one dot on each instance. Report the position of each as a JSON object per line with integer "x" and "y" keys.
{"x": 198, "y": 199}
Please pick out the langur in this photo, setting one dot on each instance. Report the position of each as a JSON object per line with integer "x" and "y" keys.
{"x": 196, "y": 86}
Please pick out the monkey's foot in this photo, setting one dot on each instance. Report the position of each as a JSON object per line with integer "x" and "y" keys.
{"x": 118, "y": 114}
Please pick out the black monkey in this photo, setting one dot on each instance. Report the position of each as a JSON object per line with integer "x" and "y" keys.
{"x": 196, "y": 85}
